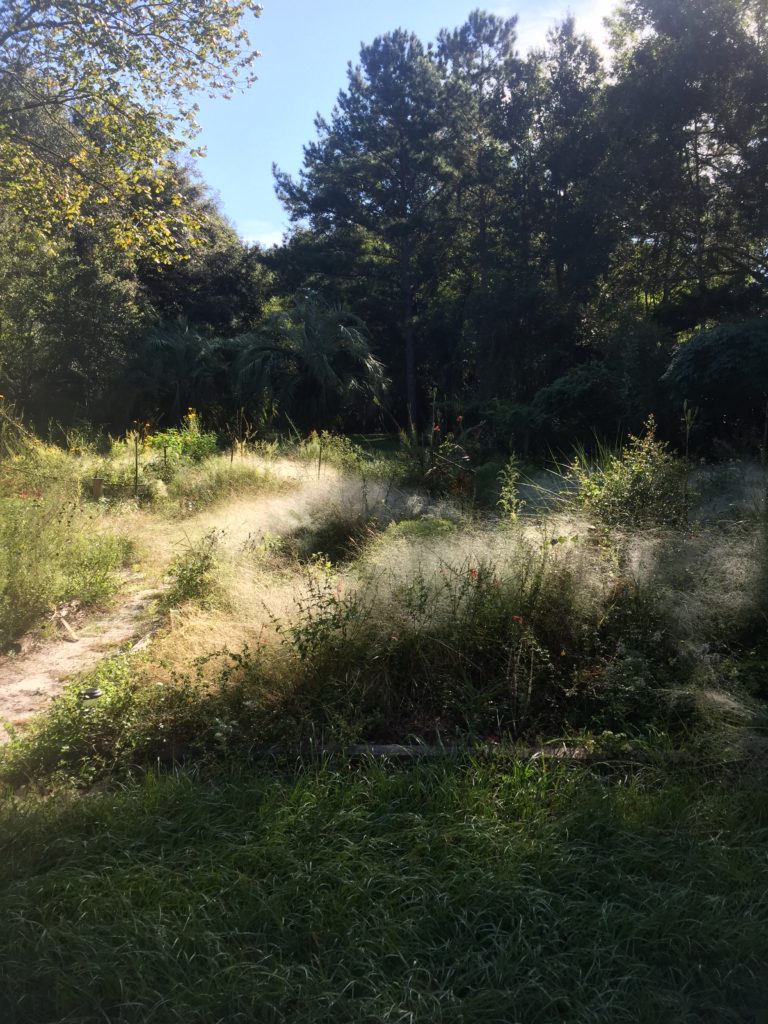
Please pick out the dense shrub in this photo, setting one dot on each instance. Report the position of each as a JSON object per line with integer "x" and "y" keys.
{"x": 437, "y": 637}
{"x": 723, "y": 373}
{"x": 643, "y": 484}
{"x": 584, "y": 403}
{"x": 512, "y": 425}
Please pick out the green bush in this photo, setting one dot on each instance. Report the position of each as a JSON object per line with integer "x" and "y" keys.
{"x": 585, "y": 402}
{"x": 644, "y": 484}
{"x": 189, "y": 441}
{"x": 512, "y": 424}
{"x": 192, "y": 574}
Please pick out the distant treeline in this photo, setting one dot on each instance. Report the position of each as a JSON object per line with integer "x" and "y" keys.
{"x": 553, "y": 246}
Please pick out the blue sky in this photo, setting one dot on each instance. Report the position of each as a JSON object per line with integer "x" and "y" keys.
{"x": 305, "y": 46}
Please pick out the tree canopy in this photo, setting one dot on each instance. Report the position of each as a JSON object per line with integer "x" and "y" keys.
{"x": 502, "y": 221}
{"x": 96, "y": 97}
{"x": 540, "y": 247}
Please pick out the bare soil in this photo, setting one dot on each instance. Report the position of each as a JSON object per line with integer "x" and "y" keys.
{"x": 30, "y": 678}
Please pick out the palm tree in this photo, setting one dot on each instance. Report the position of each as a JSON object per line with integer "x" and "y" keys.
{"x": 313, "y": 360}
{"x": 177, "y": 367}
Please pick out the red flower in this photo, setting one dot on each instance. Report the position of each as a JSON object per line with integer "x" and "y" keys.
{"x": 518, "y": 619}
{"x": 459, "y": 419}
{"x": 473, "y": 573}
{"x": 437, "y": 428}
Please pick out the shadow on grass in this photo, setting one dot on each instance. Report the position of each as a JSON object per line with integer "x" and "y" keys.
{"x": 447, "y": 893}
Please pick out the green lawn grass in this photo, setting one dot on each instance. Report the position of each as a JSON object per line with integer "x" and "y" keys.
{"x": 495, "y": 892}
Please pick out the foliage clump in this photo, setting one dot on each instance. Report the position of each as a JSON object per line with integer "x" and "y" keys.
{"x": 723, "y": 373}
{"x": 644, "y": 484}
{"x": 189, "y": 441}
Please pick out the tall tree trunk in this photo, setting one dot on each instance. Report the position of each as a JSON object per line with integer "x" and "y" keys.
{"x": 668, "y": 267}
{"x": 699, "y": 212}
{"x": 406, "y": 298}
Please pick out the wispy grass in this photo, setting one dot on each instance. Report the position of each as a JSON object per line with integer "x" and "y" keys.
{"x": 440, "y": 635}
{"x": 452, "y": 893}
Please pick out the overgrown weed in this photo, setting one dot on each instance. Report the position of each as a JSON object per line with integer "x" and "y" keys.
{"x": 192, "y": 574}
{"x": 364, "y": 626}
{"x": 52, "y": 547}
{"x": 455, "y": 634}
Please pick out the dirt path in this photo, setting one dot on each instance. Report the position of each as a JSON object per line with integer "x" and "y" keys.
{"x": 28, "y": 680}
{"x": 31, "y": 678}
